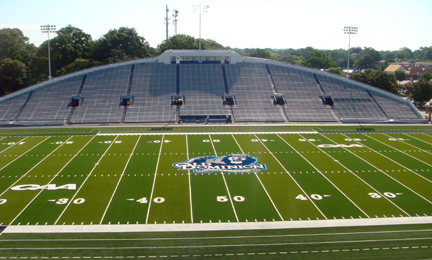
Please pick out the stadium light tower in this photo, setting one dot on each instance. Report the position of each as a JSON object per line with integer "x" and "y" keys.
{"x": 349, "y": 30}
{"x": 175, "y": 15}
{"x": 48, "y": 29}
{"x": 200, "y": 9}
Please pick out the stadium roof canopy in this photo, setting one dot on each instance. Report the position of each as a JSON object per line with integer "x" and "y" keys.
{"x": 182, "y": 86}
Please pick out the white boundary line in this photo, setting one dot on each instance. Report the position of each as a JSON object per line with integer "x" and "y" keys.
{"x": 262, "y": 185}
{"x": 54, "y": 177}
{"x": 154, "y": 180}
{"x": 189, "y": 179}
{"x": 226, "y": 185}
{"x": 331, "y": 181}
{"x": 216, "y": 226}
{"x": 121, "y": 176}
{"x": 82, "y": 184}
{"x": 382, "y": 195}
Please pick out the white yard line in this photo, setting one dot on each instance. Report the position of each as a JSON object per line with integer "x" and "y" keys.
{"x": 14, "y": 144}
{"x": 403, "y": 166}
{"x": 400, "y": 151}
{"x": 212, "y": 133}
{"x": 417, "y": 139}
{"x": 31, "y": 168}
{"x": 82, "y": 184}
{"x": 262, "y": 185}
{"x": 332, "y": 182}
{"x": 121, "y": 176}
{"x": 415, "y": 147}
{"x": 216, "y": 226}
{"x": 382, "y": 195}
{"x": 226, "y": 185}
{"x": 286, "y": 171}
{"x": 382, "y": 171}
{"x": 55, "y": 175}
{"x": 189, "y": 179}
{"x": 23, "y": 154}
{"x": 154, "y": 180}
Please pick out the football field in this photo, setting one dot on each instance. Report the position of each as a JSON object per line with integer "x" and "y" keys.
{"x": 169, "y": 179}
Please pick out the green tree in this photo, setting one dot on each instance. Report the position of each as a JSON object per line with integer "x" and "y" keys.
{"x": 260, "y": 53}
{"x": 214, "y": 45}
{"x": 14, "y": 45}
{"x": 377, "y": 78}
{"x": 71, "y": 43}
{"x": 404, "y": 54}
{"x": 319, "y": 60}
{"x": 12, "y": 75}
{"x": 120, "y": 45}
{"x": 336, "y": 71}
{"x": 400, "y": 75}
{"x": 182, "y": 42}
{"x": 368, "y": 58}
{"x": 18, "y": 53}
{"x": 78, "y": 64}
{"x": 423, "y": 54}
{"x": 426, "y": 76}
{"x": 420, "y": 91}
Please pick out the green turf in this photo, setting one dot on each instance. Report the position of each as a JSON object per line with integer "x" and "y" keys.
{"x": 130, "y": 179}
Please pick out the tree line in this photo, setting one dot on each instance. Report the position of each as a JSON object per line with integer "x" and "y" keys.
{"x": 23, "y": 64}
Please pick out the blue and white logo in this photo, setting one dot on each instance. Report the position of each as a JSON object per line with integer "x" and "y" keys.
{"x": 227, "y": 163}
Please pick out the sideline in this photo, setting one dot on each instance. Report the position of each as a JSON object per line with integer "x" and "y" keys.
{"x": 215, "y": 226}
{"x": 211, "y": 133}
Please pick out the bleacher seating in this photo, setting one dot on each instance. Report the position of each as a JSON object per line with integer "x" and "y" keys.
{"x": 351, "y": 101}
{"x": 54, "y": 96}
{"x": 302, "y": 95}
{"x": 203, "y": 88}
{"x": 101, "y": 92}
{"x": 10, "y": 108}
{"x": 152, "y": 87}
{"x": 251, "y": 86}
{"x": 394, "y": 109}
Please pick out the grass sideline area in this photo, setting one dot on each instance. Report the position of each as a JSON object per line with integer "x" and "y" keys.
{"x": 384, "y": 242}
{"x": 92, "y": 130}
{"x": 76, "y": 176}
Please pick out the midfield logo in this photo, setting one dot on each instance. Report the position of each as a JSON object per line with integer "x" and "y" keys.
{"x": 227, "y": 163}
{"x": 339, "y": 145}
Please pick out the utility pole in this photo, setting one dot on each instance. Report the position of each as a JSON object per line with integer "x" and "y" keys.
{"x": 175, "y": 21}
{"x": 166, "y": 21}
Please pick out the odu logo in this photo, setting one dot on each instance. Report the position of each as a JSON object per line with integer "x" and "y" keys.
{"x": 227, "y": 163}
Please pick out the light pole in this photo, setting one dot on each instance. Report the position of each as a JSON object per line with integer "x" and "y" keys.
{"x": 349, "y": 30}
{"x": 200, "y": 9}
{"x": 48, "y": 29}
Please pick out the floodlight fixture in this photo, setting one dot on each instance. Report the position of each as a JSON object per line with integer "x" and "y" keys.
{"x": 48, "y": 29}
{"x": 200, "y": 9}
{"x": 349, "y": 30}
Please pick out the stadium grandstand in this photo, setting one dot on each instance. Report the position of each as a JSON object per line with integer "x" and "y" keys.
{"x": 185, "y": 86}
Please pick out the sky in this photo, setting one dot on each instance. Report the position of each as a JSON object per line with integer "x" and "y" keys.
{"x": 276, "y": 24}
